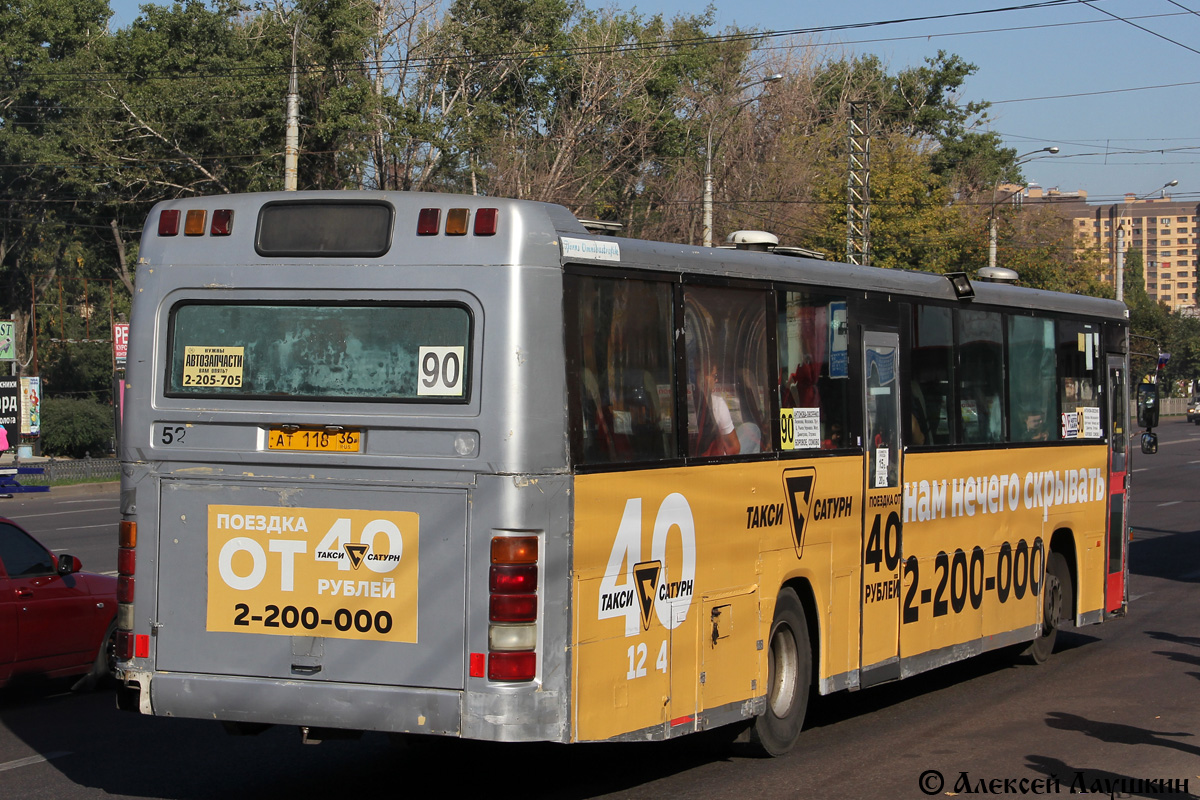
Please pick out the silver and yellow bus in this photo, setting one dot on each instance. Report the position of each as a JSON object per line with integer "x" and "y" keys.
{"x": 435, "y": 464}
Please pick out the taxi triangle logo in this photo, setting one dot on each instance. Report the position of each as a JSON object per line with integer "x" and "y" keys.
{"x": 356, "y": 552}
{"x": 645, "y": 577}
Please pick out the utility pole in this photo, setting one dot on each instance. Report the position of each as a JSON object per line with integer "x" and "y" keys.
{"x": 291, "y": 146}
{"x": 708, "y": 151}
{"x": 858, "y": 187}
{"x": 1119, "y": 278}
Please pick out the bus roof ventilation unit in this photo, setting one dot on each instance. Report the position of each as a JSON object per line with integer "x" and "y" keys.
{"x": 601, "y": 227}
{"x": 997, "y": 275}
{"x": 759, "y": 241}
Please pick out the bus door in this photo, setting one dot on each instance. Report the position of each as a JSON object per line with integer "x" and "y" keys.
{"x": 1118, "y": 453}
{"x": 881, "y": 588}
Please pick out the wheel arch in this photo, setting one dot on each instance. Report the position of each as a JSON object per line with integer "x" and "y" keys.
{"x": 1063, "y": 542}
{"x": 808, "y": 601}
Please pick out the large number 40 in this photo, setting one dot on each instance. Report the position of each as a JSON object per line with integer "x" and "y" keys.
{"x": 619, "y": 576}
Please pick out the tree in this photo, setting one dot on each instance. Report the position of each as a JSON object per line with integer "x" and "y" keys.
{"x": 74, "y": 427}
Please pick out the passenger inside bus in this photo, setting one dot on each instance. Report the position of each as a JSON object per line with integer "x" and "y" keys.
{"x": 716, "y": 434}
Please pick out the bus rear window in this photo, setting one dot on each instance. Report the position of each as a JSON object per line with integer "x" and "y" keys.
{"x": 417, "y": 353}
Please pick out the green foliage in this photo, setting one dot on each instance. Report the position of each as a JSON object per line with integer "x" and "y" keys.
{"x": 73, "y": 427}
{"x": 1155, "y": 329}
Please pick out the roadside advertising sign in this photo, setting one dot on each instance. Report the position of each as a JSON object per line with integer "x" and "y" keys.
{"x": 120, "y": 338}
{"x": 31, "y": 406}
{"x": 10, "y": 412}
{"x": 8, "y": 340}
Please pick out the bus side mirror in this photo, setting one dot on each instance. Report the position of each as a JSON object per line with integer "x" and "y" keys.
{"x": 1147, "y": 407}
{"x": 1149, "y": 443}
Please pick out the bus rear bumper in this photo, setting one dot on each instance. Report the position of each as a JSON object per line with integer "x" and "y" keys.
{"x": 305, "y": 703}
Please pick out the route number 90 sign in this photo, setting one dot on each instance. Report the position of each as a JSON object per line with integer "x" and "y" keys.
{"x": 336, "y": 573}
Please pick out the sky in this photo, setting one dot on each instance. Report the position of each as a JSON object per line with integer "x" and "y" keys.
{"x": 1113, "y": 84}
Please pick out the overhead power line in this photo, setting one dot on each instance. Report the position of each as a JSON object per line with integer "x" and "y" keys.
{"x": 655, "y": 46}
{"x": 1093, "y": 6}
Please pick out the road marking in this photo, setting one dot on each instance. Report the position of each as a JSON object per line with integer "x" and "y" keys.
{"x": 93, "y": 500}
{"x": 85, "y": 527}
{"x": 1143, "y": 469}
{"x": 27, "y": 762}
{"x": 73, "y": 511}
{"x": 1172, "y": 503}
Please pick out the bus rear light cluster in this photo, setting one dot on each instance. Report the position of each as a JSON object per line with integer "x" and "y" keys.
{"x": 429, "y": 221}
{"x": 128, "y": 645}
{"x": 194, "y": 222}
{"x": 513, "y": 609}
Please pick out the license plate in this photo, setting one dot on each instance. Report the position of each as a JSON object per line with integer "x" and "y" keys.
{"x": 314, "y": 440}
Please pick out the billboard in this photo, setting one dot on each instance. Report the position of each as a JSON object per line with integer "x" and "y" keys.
{"x": 10, "y": 412}
{"x": 8, "y": 340}
{"x": 31, "y": 406}
{"x": 120, "y": 339}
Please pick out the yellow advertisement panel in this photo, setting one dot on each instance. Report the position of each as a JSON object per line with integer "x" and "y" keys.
{"x": 337, "y": 573}
{"x": 675, "y": 577}
{"x": 977, "y": 531}
{"x": 676, "y": 571}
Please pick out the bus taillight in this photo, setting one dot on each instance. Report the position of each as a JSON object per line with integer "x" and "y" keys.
{"x": 126, "y": 567}
{"x": 513, "y": 609}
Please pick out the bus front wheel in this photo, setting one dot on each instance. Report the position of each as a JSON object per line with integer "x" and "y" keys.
{"x": 789, "y": 677}
{"x": 1056, "y": 603}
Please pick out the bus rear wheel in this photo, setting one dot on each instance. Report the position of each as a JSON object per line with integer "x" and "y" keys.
{"x": 789, "y": 678}
{"x": 1056, "y": 603}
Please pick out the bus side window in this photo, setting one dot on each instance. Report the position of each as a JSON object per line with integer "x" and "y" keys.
{"x": 622, "y": 368}
{"x": 1031, "y": 368}
{"x": 727, "y": 371}
{"x": 1079, "y": 379}
{"x": 931, "y": 383}
{"x": 814, "y": 368}
{"x": 981, "y": 376}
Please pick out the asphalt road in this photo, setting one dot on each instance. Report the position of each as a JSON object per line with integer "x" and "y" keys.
{"x": 1117, "y": 702}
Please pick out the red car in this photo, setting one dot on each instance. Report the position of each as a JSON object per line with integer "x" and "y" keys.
{"x": 54, "y": 620}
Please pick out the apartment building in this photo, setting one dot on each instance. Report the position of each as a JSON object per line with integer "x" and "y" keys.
{"x": 1165, "y": 231}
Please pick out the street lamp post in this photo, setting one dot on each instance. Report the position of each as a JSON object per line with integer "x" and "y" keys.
{"x": 992, "y": 221}
{"x": 1119, "y": 278}
{"x": 708, "y": 152}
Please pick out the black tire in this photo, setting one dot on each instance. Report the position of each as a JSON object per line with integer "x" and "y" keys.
{"x": 103, "y": 667}
{"x": 1057, "y": 597}
{"x": 789, "y": 678}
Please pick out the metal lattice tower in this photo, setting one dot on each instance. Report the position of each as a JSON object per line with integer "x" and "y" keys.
{"x": 858, "y": 187}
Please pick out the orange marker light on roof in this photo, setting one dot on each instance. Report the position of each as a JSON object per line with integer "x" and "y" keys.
{"x": 456, "y": 221}
{"x": 193, "y": 224}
